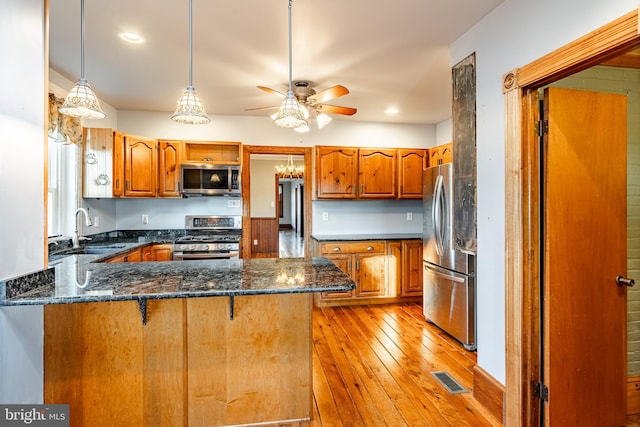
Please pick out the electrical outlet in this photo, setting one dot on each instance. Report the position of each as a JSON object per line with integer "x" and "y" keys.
{"x": 96, "y": 221}
{"x": 255, "y": 242}
{"x": 409, "y": 216}
{"x": 325, "y": 216}
{"x": 234, "y": 203}
{"x": 145, "y": 219}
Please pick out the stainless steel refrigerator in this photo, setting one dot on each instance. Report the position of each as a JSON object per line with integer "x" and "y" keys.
{"x": 449, "y": 275}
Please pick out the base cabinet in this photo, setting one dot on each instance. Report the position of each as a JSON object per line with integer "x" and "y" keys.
{"x": 384, "y": 271}
{"x": 114, "y": 371}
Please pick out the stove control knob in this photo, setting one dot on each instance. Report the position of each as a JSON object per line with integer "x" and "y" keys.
{"x": 190, "y": 247}
{"x": 205, "y": 247}
{"x": 183, "y": 247}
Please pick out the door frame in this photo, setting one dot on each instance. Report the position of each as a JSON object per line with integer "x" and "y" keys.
{"x": 247, "y": 151}
{"x": 522, "y": 213}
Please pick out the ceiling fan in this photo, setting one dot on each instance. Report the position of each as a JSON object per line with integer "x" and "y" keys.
{"x": 313, "y": 101}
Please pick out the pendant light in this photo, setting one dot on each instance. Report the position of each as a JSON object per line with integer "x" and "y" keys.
{"x": 190, "y": 109}
{"x": 81, "y": 101}
{"x": 290, "y": 114}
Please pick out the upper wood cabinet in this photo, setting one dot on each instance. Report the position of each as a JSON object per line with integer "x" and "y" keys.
{"x": 441, "y": 154}
{"x": 102, "y": 149}
{"x": 336, "y": 172}
{"x": 411, "y": 163}
{"x": 369, "y": 173}
{"x": 222, "y": 152}
{"x": 169, "y": 159}
{"x": 140, "y": 166}
{"x": 377, "y": 173}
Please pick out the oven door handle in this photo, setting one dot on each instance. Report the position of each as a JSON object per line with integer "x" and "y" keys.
{"x": 182, "y": 256}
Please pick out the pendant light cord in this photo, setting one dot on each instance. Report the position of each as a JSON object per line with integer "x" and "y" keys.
{"x": 81, "y": 39}
{"x": 190, "y": 43}
{"x": 290, "y": 78}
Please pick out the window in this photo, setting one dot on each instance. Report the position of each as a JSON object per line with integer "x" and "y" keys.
{"x": 62, "y": 188}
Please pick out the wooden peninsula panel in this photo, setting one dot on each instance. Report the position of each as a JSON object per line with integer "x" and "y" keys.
{"x": 190, "y": 365}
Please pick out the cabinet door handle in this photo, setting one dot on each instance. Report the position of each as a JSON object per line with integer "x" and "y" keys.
{"x": 369, "y": 248}
{"x": 337, "y": 249}
{"x": 358, "y": 265}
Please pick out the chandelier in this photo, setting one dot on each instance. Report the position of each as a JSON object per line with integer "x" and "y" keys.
{"x": 290, "y": 170}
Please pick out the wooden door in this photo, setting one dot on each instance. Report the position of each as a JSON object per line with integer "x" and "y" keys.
{"x": 169, "y": 158}
{"x": 336, "y": 172}
{"x": 377, "y": 173}
{"x": 140, "y": 167}
{"x": 584, "y": 311}
{"x": 344, "y": 263}
{"x": 410, "y": 166}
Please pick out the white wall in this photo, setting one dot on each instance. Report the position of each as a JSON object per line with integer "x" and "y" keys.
{"x": 514, "y": 34}
{"x": 22, "y": 166}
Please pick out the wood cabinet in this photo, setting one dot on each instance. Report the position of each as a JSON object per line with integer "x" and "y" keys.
{"x": 411, "y": 280}
{"x": 162, "y": 252}
{"x": 364, "y": 262}
{"x": 169, "y": 159}
{"x": 132, "y": 256}
{"x": 369, "y": 173}
{"x": 222, "y": 152}
{"x": 441, "y": 154}
{"x": 140, "y": 166}
{"x": 384, "y": 271}
{"x": 411, "y": 164}
{"x": 377, "y": 173}
{"x": 336, "y": 172}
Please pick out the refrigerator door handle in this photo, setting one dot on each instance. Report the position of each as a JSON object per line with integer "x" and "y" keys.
{"x": 437, "y": 272}
{"x": 436, "y": 214}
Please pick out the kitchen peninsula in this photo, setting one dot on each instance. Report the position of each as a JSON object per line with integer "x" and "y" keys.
{"x": 198, "y": 343}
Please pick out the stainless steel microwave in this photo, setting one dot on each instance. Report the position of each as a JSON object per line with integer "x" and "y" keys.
{"x": 205, "y": 179}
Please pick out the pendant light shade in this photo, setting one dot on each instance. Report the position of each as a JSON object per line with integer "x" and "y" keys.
{"x": 81, "y": 101}
{"x": 190, "y": 109}
{"x": 290, "y": 114}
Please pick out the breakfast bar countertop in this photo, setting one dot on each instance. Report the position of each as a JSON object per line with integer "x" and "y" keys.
{"x": 79, "y": 278}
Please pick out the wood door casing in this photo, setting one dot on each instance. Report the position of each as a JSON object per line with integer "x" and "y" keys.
{"x": 584, "y": 314}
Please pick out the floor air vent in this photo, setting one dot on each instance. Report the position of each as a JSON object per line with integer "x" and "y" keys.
{"x": 449, "y": 383}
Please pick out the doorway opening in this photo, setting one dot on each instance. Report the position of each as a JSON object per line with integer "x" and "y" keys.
{"x": 276, "y": 208}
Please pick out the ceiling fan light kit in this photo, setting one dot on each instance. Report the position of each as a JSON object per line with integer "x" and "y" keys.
{"x": 190, "y": 109}
{"x": 290, "y": 114}
{"x": 81, "y": 101}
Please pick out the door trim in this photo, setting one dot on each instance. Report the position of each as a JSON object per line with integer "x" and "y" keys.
{"x": 522, "y": 219}
{"x": 247, "y": 150}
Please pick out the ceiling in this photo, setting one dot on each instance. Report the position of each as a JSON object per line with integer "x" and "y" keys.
{"x": 387, "y": 53}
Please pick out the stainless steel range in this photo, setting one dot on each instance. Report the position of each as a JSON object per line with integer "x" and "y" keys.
{"x": 209, "y": 237}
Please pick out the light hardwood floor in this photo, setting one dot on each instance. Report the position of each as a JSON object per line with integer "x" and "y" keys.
{"x": 372, "y": 366}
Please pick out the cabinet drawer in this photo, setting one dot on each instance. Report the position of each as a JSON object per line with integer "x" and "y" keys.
{"x": 352, "y": 247}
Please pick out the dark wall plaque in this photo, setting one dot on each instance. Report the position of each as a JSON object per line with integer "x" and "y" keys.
{"x": 464, "y": 154}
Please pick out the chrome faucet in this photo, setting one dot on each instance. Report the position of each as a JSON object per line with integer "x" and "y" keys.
{"x": 87, "y": 222}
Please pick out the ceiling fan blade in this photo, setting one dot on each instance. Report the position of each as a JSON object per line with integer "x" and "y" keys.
{"x": 335, "y": 109}
{"x": 327, "y": 94}
{"x": 273, "y": 91}
{"x": 262, "y": 108}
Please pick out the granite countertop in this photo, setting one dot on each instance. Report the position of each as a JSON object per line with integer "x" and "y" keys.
{"x": 372, "y": 236}
{"x": 83, "y": 278}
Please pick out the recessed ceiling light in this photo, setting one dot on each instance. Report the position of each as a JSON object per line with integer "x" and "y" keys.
{"x": 392, "y": 111}
{"x": 131, "y": 38}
